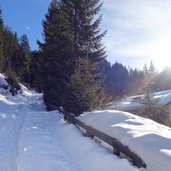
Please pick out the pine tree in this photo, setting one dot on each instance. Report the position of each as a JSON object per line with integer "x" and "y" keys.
{"x": 120, "y": 77}
{"x": 11, "y": 52}
{"x": 69, "y": 34}
{"x": 152, "y": 110}
{"x": 151, "y": 68}
{"x": 1, "y": 43}
{"x": 86, "y": 33}
{"x": 56, "y": 52}
{"x": 145, "y": 69}
{"x": 85, "y": 92}
{"x": 25, "y": 58}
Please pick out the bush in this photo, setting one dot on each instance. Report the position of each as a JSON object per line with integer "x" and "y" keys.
{"x": 14, "y": 85}
{"x": 154, "y": 111}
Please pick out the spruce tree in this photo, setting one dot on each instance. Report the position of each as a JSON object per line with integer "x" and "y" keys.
{"x": 56, "y": 54}
{"x": 70, "y": 33}
{"x": 153, "y": 110}
{"x": 25, "y": 58}
{"x": 11, "y": 52}
{"x": 1, "y": 44}
{"x": 151, "y": 68}
{"x": 87, "y": 36}
{"x": 85, "y": 92}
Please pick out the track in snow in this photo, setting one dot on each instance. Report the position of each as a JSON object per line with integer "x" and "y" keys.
{"x": 32, "y": 139}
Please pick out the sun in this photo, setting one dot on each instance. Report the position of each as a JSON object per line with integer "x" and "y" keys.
{"x": 160, "y": 52}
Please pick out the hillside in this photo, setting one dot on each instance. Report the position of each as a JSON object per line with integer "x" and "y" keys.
{"x": 32, "y": 139}
{"x": 134, "y": 103}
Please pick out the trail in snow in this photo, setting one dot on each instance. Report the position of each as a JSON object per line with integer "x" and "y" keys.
{"x": 47, "y": 143}
{"x": 39, "y": 145}
{"x": 10, "y": 125}
{"x": 32, "y": 139}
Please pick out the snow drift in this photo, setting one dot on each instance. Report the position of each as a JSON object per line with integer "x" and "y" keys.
{"x": 32, "y": 139}
{"x": 148, "y": 139}
{"x": 132, "y": 103}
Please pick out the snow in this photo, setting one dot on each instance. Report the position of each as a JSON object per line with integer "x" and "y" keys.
{"x": 2, "y": 80}
{"x": 148, "y": 139}
{"x": 132, "y": 103}
{"x": 126, "y": 104}
{"x": 32, "y": 139}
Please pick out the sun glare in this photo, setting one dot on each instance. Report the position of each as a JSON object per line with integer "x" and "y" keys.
{"x": 160, "y": 52}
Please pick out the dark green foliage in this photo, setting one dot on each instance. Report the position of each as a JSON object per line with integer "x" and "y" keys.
{"x": 162, "y": 81}
{"x": 70, "y": 33}
{"x": 35, "y": 71}
{"x": 120, "y": 78}
{"x": 11, "y": 51}
{"x": 17, "y": 55}
{"x": 85, "y": 92}
{"x": 13, "y": 83}
{"x": 14, "y": 53}
{"x": 153, "y": 110}
{"x": 24, "y": 59}
{"x": 136, "y": 81}
{"x": 1, "y": 43}
{"x": 104, "y": 70}
{"x": 87, "y": 34}
{"x": 114, "y": 78}
{"x": 55, "y": 55}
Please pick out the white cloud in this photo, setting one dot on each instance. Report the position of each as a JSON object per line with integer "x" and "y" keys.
{"x": 140, "y": 28}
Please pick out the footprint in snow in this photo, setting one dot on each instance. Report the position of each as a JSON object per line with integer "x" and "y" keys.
{"x": 13, "y": 117}
{"x": 3, "y": 116}
{"x": 25, "y": 149}
{"x": 35, "y": 127}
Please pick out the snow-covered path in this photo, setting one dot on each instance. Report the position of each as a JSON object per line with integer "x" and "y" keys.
{"x": 32, "y": 139}
{"x": 11, "y": 120}
{"x": 39, "y": 147}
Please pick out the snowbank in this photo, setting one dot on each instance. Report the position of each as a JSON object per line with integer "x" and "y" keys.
{"x": 5, "y": 88}
{"x": 2, "y": 80}
{"x": 134, "y": 102}
{"x": 32, "y": 139}
{"x": 150, "y": 140}
{"x": 47, "y": 143}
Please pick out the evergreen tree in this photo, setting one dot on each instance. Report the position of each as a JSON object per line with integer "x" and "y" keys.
{"x": 162, "y": 81}
{"x": 152, "y": 110}
{"x": 120, "y": 79}
{"x": 151, "y": 68}
{"x": 36, "y": 70}
{"x": 25, "y": 58}
{"x": 1, "y": 43}
{"x": 69, "y": 34}
{"x": 136, "y": 81}
{"x": 86, "y": 94}
{"x": 145, "y": 69}
{"x": 104, "y": 76}
{"x": 86, "y": 33}
{"x": 55, "y": 54}
{"x": 11, "y": 52}
{"x": 114, "y": 79}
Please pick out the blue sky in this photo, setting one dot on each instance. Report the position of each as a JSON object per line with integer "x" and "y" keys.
{"x": 138, "y": 30}
{"x": 25, "y": 16}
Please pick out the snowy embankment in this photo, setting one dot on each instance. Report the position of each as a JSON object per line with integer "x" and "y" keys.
{"x": 132, "y": 103}
{"x": 148, "y": 139}
{"x": 32, "y": 139}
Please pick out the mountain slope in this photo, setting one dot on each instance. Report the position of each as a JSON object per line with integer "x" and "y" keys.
{"x": 32, "y": 139}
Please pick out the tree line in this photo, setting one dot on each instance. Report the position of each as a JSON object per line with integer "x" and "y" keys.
{"x": 69, "y": 66}
{"x": 15, "y": 53}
